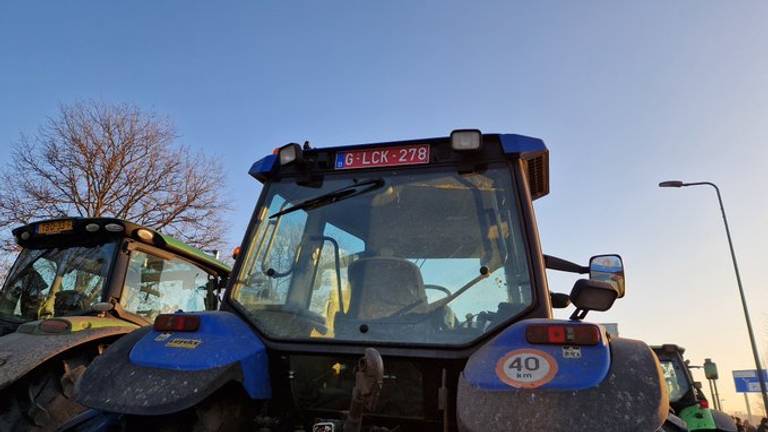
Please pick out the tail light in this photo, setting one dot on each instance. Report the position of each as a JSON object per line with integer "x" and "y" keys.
{"x": 176, "y": 323}
{"x": 704, "y": 404}
{"x": 55, "y": 326}
{"x": 563, "y": 334}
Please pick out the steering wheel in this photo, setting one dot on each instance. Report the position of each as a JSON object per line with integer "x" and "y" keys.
{"x": 441, "y": 288}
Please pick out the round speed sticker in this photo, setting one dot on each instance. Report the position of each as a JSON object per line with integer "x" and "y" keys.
{"x": 526, "y": 368}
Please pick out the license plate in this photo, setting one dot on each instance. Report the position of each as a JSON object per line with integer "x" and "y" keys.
{"x": 383, "y": 157}
{"x": 54, "y": 227}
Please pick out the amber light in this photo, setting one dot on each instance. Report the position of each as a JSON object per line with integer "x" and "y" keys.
{"x": 55, "y": 326}
{"x": 563, "y": 334}
{"x": 176, "y": 323}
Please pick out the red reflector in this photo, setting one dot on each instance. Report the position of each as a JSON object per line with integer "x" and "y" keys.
{"x": 563, "y": 334}
{"x": 176, "y": 323}
{"x": 704, "y": 404}
{"x": 55, "y": 326}
{"x": 556, "y": 334}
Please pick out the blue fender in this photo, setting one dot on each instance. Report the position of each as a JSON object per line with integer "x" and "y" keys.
{"x": 570, "y": 368}
{"x": 221, "y": 340}
{"x": 511, "y": 384}
{"x": 153, "y": 373}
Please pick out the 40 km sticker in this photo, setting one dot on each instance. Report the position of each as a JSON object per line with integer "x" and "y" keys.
{"x": 526, "y": 368}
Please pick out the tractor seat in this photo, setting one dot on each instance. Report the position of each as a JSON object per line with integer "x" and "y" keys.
{"x": 382, "y": 286}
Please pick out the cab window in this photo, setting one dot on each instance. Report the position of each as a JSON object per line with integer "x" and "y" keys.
{"x": 676, "y": 379}
{"x": 56, "y": 281}
{"x": 155, "y": 285}
{"x": 330, "y": 281}
{"x": 274, "y": 255}
{"x": 424, "y": 256}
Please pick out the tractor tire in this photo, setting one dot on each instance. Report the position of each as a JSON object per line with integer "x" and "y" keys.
{"x": 673, "y": 424}
{"x": 225, "y": 411}
{"x": 42, "y": 401}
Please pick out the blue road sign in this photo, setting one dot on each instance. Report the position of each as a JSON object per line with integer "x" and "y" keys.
{"x": 746, "y": 380}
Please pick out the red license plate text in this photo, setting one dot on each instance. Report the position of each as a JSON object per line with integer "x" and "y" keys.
{"x": 383, "y": 157}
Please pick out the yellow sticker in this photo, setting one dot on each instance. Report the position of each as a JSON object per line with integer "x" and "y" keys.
{"x": 184, "y": 343}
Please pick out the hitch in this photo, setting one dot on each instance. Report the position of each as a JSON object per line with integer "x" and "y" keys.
{"x": 369, "y": 378}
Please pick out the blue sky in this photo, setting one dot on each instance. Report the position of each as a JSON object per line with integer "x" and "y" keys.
{"x": 625, "y": 95}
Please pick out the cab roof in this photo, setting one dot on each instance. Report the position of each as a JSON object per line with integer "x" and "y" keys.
{"x": 318, "y": 161}
{"x": 55, "y": 232}
{"x": 669, "y": 348}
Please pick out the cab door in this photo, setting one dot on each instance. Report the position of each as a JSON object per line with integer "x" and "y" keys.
{"x": 157, "y": 281}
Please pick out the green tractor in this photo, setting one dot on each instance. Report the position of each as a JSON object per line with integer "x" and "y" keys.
{"x": 77, "y": 286}
{"x": 686, "y": 399}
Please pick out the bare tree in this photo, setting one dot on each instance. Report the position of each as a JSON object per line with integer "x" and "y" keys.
{"x": 95, "y": 160}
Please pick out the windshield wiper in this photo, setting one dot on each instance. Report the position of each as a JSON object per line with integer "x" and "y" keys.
{"x": 334, "y": 196}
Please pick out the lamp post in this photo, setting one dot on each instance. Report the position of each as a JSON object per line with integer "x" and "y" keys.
{"x": 761, "y": 378}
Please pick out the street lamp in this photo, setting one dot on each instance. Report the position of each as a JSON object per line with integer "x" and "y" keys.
{"x": 761, "y": 378}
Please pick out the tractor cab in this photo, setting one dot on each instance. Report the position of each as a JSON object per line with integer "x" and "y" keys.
{"x": 413, "y": 244}
{"x": 680, "y": 383}
{"x": 82, "y": 266}
{"x": 686, "y": 398}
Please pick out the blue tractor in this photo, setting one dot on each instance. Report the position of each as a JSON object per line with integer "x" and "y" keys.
{"x": 394, "y": 286}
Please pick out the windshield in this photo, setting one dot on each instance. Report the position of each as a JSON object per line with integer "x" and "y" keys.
{"x": 675, "y": 377}
{"x": 55, "y": 282}
{"x": 432, "y": 257}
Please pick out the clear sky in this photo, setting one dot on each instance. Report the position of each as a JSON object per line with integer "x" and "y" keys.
{"x": 624, "y": 93}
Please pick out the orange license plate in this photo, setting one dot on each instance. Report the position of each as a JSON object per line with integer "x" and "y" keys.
{"x": 54, "y": 227}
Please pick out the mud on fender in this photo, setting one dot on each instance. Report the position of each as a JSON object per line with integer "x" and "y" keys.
{"x": 151, "y": 373}
{"x": 631, "y": 397}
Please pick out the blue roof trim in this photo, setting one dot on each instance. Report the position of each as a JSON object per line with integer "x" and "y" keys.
{"x": 522, "y": 145}
{"x": 263, "y": 167}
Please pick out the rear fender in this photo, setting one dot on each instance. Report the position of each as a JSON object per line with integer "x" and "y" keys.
{"x": 610, "y": 386}
{"x": 26, "y": 349}
{"x": 568, "y": 368}
{"x": 723, "y": 422}
{"x": 153, "y": 373}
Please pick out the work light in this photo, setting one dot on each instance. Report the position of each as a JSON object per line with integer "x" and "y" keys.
{"x": 466, "y": 139}
{"x": 290, "y": 153}
{"x": 113, "y": 227}
{"x": 145, "y": 234}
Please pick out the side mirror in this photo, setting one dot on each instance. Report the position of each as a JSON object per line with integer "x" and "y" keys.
{"x": 589, "y": 295}
{"x": 560, "y": 300}
{"x": 697, "y": 385}
{"x": 710, "y": 369}
{"x": 610, "y": 269}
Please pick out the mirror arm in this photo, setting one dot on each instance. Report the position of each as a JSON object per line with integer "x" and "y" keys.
{"x": 579, "y": 314}
{"x": 559, "y": 264}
